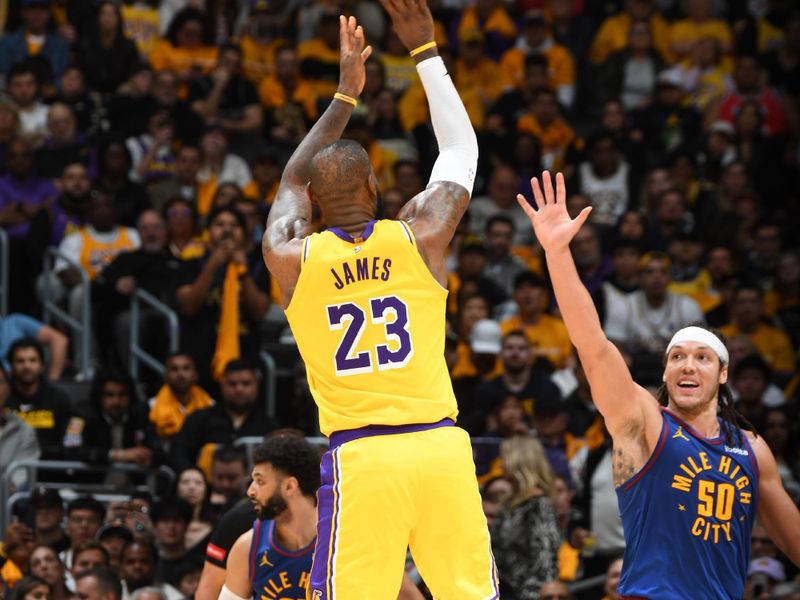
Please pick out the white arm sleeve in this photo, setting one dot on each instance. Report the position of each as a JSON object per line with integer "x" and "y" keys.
{"x": 226, "y": 594}
{"x": 458, "y": 146}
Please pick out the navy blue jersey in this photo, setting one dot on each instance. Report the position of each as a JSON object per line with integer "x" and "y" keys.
{"x": 687, "y": 515}
{"x": 277, "y": 573}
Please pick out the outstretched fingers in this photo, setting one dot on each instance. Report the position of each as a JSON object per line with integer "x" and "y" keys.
{"x": 526, "y": 206}
{"x": 547, "y": 181}
{"x": 561, "y": 189}
{"x": 538, "y": 196}
{"x": 345, "y": 42}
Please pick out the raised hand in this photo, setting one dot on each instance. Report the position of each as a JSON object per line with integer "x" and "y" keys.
{"x": 553, "y": 226}
{"x": 353, "y": 54}
{"x": 412, "y": 21}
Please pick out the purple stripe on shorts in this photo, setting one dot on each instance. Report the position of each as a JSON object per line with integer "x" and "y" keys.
{"x": 318, "y": 582}
{"x": 338, "y": 438}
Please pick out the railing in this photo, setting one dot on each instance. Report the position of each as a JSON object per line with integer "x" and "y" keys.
{"x": 82, "y": 328}
{"x": 137, "y": 353}
{"x": 151, "y": 477}
{"x": 3, "y": 272}
{"x": 269, "y": 383}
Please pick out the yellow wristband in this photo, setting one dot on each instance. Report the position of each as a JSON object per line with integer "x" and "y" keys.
{"x": 345, "y": 98}
{"x": 422, "y": 48}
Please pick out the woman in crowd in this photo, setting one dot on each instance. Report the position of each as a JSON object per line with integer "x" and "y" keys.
{"x": 30, "y": 588}
{"x": 46, "y": 565}
{"x": 193, "y": 488}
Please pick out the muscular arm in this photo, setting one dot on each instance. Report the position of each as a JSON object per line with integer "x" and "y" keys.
{"x": 776, "y": 511}
{"x": 625, "y": 406}
{"x": 290, "y": 216}
{"x": 211, "y": 580}
{"x": 237, "y": 578}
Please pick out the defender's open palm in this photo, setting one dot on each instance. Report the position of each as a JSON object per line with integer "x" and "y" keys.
{"x": 553, "y": 226}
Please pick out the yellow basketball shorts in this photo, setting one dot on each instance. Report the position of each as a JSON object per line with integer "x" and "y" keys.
{"x": 387, "y": 489}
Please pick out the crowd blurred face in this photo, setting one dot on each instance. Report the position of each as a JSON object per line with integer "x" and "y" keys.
{"x": 788, "y": 273}
{"x": 100, "y": 213}
{"x": 658, "y": 181}
{"x": 747, "y": 309}
{"x": 116, "y": 161}
{"x": 108, "y": 18}
{"x": 27, "y": 366}
{"x": 529, "y": 298}
{"x": 767, "y": 242}
{"x": 604, "y": 157}
{"x": 239, "y": 390}
{"x": 510, "y": 416}
{"x": 516, "y": 354}
{"x": 393, "y": 201}
{"x": 535, "y": 32}
{"x": 748, "y": 120}
{"x": 575, "y": 204}
{"x": 654, "y": 277}
{"x": 776, "y": 431}
{"x": 494, "y": 496}
{"x": 408, "y": 180}
{"x": 187, "y": 165}
{"x": 214, "y": 145}
{"x": 612, "y": 579}
{"x": 45, "y": 565}
{"x": 188, "y": 584}
{"x": 9, "y": 122}
{"x": 551, "y": 425}
{"x": 231, "y": 61}
{"x": 225, "y": 227}
{"x": 75, "y": 181}
{"x": 141, "y": 82}
{"x": 686, "y": 252}
{"x": 719, "y": 263}
{"x": 535, "y": 78}
{"x": 19, "y": 160}
{"x": 374, "y": 80}
{"x": 266, "y": 172}
{"x": 72, "y": 83}
{"x": 473, "y": 309}
{"x": 545, "y": 108}
{"x": 138, "y": 565}
{"x": 503, "y": 187}
{"x": 23, "y": 89}
{"x": 561, "y": 10}
{"x": 626, "y": 263}
{"x": 115, "y": 400}
{"x": 747, "y": 74}
{"x": 35, "y": 18}
{"x": 472, "y": 51}
{"x": 114, "y": 544}
{"x": 526, "y": 151}
{"x": 228, "y": 478}
{"x": 192, "y": 487}
{"x": 671, "y": 207}
{"x": 555, "y": 590}
{"x": 612, "y": 117}
{"x": 499, "y": 236}
{"x": 39, "y": 592}
{"x": 88, "y": 588}
{"x": 61, "y": 123}
{"x": 761, "y": 545}
{"x": 190, "y": 35}
{"x": 734, "y": 179}
{"x": 180, "y": 222}
{"x": 585, "y": 248}
{"x": 180, "y": 374}
{"x": 88, "y": 559}
{"x": 287, "y": 65}
{"x": 165, "y": 88}
{"x": 48, "y": 517}
{"x": 751, "y": 385}
{"x": 170, "y": 530}
{"x": 638, "y": 9}
{"x": 705, "y": 52}
{"x": 252, "y": 216}
{"x": 82, "y": 525}
{"x": 471, "y": 263}
{"x": 328, "y": 30}
{"x": 640, "y": 37}
{"x": 386, "y": 106}
{"x": 563, "y": 498}
{"x": 152, "y": 231}
{"x": 668, "y": 95}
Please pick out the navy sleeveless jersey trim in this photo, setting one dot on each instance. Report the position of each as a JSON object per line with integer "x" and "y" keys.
{"x": 255, "y": 544}
{"x": 348, "y": 238}
{"x": 662, "y": 438}
{"x": 281, "y": 550}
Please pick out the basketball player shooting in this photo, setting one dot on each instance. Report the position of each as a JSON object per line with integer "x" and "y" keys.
{"x": 366, "y": 302}
{"x": 690, "y": 481}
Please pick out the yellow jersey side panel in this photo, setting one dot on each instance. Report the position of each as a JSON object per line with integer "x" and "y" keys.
{"x": 369, "y": 321}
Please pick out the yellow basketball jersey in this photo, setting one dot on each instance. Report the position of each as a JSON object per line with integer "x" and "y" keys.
{"x": 369, "y": 321}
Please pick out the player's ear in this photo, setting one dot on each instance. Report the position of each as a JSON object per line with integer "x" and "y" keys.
{"x": 723, "y": 374}
{"x": 310, "y": 193}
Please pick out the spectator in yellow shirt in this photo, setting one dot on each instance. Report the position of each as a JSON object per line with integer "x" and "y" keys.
{"x": 260, "y": 39}
{"x": 319, "y": 56}
{"x": 614, "y": 33}
{"x": 747, "y": 314}
{"x": 536, "y": 39}
{"x": 477, "y": 78}
{"x": 490, "y": 17}
{"x": 555, "y": 135}
{"x": 184, "y": 50}
{"x": 547, "y": 334}
{"x": 699, "y": 23}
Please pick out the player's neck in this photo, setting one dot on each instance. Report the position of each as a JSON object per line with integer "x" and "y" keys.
{"x": 703, "y": 420}
{"x": 297, "y": 527}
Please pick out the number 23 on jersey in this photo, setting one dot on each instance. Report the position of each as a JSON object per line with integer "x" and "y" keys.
{"x": 391, "y": 313}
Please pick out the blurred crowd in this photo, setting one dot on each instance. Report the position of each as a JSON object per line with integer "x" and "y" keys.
{"x": 143, "y": 142}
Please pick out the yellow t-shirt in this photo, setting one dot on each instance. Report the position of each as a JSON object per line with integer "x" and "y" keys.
{"x": 560, "y": 66}
{"x": 165, "y": 57}
{"x": 141, "y": 23}
{"x": 614, "y": 35}
{"x": 548, "y": 337}
{"x": 258, "y": 61}
{"x": 772, "y": 344}
{"x": 317, "y": 50}
{"x": 478, "y": 87}
{"x": 369, "y": 321}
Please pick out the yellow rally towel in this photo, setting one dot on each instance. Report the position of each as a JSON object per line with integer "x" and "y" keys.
{"x": 168, "y": 414}
{"x": 228, "y": 348}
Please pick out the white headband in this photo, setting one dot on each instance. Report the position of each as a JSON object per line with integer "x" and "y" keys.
{"x": 701, "y": 336}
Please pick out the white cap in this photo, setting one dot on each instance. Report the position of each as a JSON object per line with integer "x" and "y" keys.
{"x": 486, "y": 337}
{"x": 701, "y": 336}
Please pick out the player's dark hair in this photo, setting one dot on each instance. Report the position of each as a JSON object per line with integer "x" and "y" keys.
{"x": 291, "y": 455}
{"x": 733, "y": 422}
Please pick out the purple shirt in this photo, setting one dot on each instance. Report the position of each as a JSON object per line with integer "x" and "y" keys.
{"x": 32, "y": 192}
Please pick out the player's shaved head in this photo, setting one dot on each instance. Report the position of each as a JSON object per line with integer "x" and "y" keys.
{"x": 339, "y": 172}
